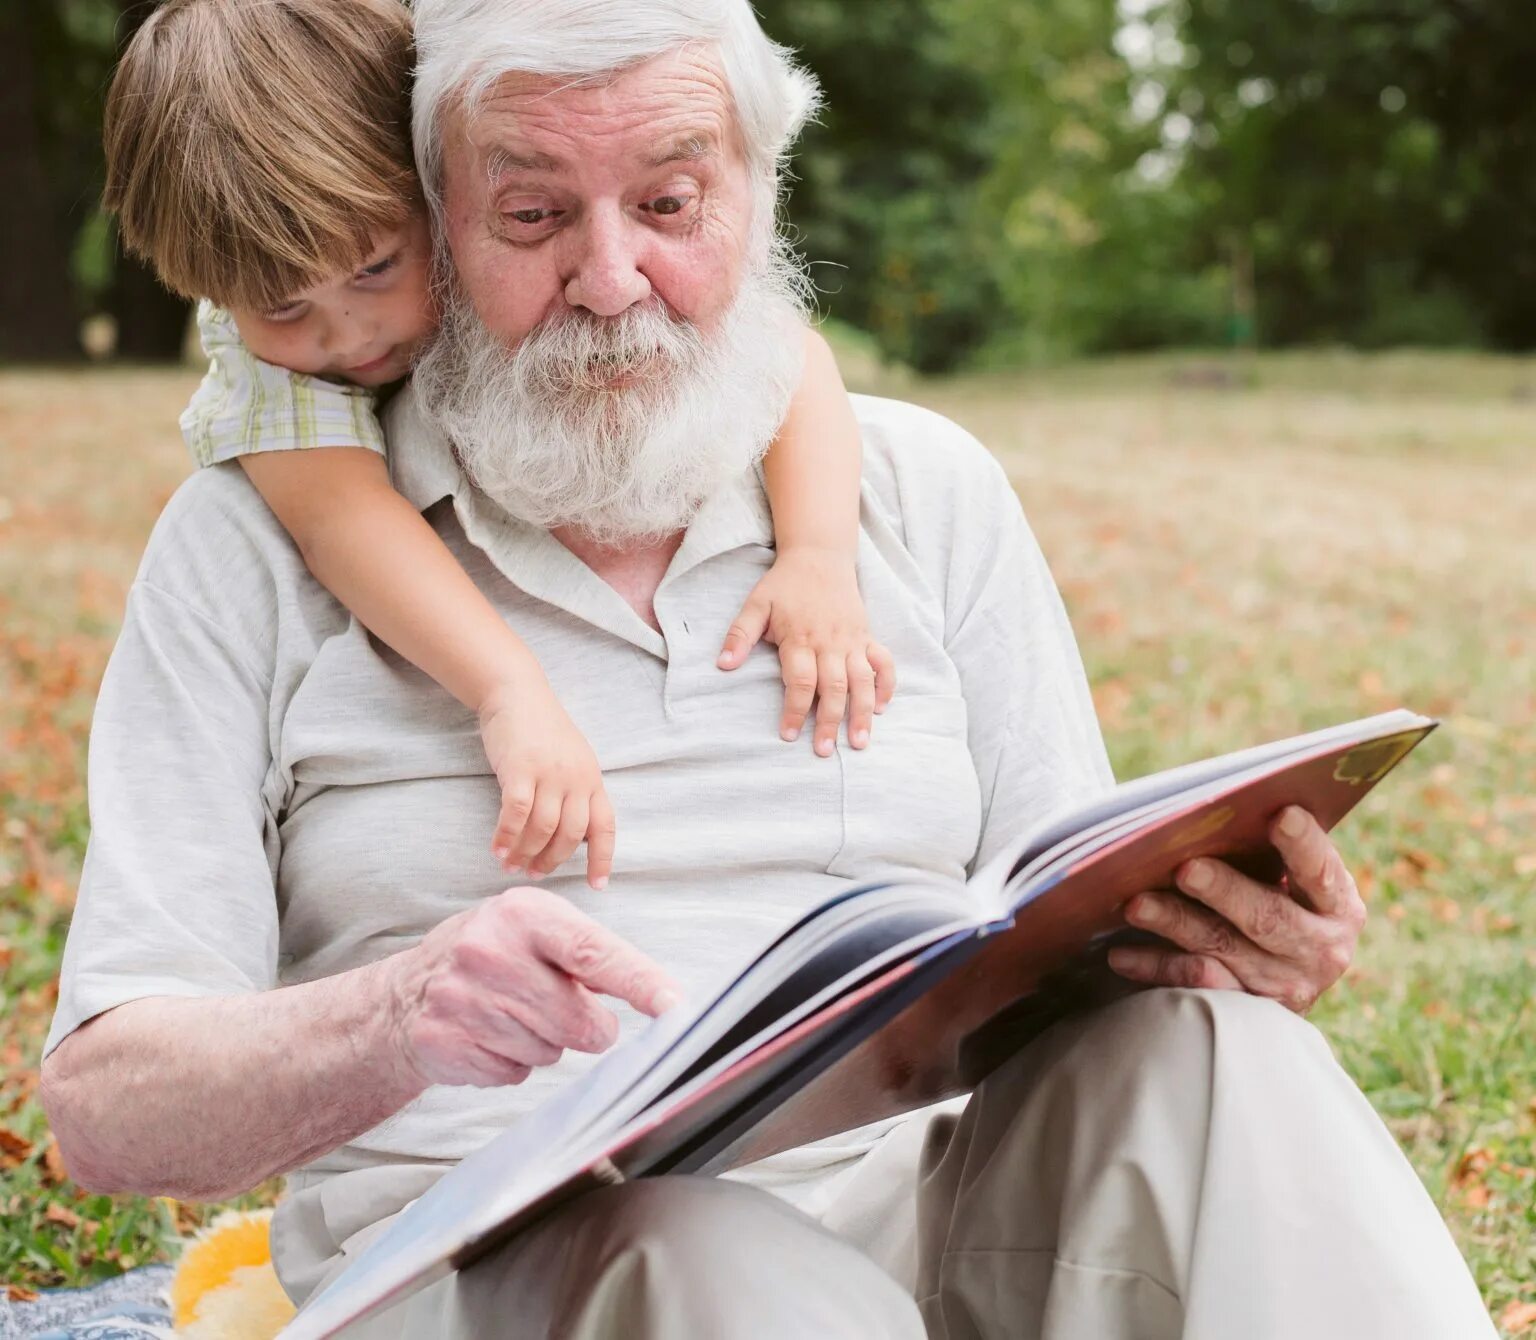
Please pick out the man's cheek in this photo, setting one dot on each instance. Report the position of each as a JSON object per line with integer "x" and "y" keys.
{"x": 698, "y": 283}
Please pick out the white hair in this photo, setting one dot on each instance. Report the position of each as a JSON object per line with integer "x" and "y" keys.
{"x": 464, "y": 46}
{"x": 620, "y": 426}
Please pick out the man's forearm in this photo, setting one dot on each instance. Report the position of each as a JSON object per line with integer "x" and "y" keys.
{"x": 203, "y": 1098}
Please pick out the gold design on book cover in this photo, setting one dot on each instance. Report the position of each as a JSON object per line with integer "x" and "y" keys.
{"x": 1200, "y": 828}
{"x": 1371, "y": 762}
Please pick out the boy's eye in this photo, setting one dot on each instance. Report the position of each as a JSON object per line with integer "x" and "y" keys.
{"x": 288, "y": 311}
{"x": 380, "y": 267}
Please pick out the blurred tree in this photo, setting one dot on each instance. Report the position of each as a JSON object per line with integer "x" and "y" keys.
{"x": 1376, "y": 158}
{"x": 1090, "y": 254}
{"x": 886, "y": 196}
{"x": 38, "y": 313}
{"x": 55, "y": 59}
{"x": 151, "y": 320}
{"x": 974, "y": 176}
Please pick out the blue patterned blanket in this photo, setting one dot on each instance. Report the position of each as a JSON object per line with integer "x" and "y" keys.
{"x": 132, "y": 1306}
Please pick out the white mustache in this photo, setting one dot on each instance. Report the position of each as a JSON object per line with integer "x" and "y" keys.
{"x": 620, "y": 426}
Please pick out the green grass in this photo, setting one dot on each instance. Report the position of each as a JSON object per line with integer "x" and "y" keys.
{"x": 1249, "y": 547}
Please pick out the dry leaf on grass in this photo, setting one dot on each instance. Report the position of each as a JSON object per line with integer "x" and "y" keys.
{"x": 1518, "y": 1317}
{"x": 13, "y": 1148}
{"x": 53, "y": 1162}
{"x": 58, "y": 1214}
{"x": 16, "y": 1293}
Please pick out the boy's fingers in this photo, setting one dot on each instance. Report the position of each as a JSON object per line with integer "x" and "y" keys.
{"x": 832, "y": 688}
{"x": 861, "y": 700}
{"x": 567, "y": 836}
{"x": 798, "y": 665}
{"x": 600, "y": 841}
{"x": 746, "y": 632}
{"x": 884, "y": 666}
{"x": 543, "y": 820}
{"x": 516, "y": 805}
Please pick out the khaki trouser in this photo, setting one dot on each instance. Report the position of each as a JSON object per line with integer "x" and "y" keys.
{"x": 1179, "y": 1163}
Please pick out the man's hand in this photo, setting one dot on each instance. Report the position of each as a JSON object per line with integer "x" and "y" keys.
{"x": 508, "y": 985}
{"x": 1290, "y": 943}
{"x": 808, "y": 605}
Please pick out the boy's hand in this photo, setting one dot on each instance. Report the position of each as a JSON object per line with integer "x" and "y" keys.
{"x": 552, "y": 793}
{"x": 809, "y": 605}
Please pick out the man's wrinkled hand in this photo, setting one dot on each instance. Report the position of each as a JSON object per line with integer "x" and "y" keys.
{"x": 1289, "y": 942}
{"x": 512, "y": 984}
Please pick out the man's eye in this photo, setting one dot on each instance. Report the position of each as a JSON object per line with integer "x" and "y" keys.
{"x": 668, "y": 204}
{"x": 532, "y": 215}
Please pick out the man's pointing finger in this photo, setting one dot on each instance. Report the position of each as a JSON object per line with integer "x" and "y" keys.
{"x": 604, "y": 963}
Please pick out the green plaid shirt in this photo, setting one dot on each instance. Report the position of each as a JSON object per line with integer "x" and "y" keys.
{"x": 245, "y": 405}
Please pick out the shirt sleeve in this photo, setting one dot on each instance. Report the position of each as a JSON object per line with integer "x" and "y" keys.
{"x": 177, "y": 896}
{"x": 245, "y": 405}
{"x": 1033, "y": 733}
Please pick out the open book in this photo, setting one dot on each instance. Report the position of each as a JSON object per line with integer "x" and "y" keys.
{"x": 881, "y": 1000}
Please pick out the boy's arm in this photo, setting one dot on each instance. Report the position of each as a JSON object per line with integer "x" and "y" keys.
{"x": 372, "y": 550}
{"x": 809, "y": 602}
{"x": 813, "y": 468}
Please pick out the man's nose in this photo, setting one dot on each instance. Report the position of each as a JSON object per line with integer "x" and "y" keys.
{"x": 606, "y": 276}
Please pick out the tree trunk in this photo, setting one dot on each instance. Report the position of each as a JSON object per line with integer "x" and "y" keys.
{"x": 151, "y": 320}
{"x": 38, "y": 320}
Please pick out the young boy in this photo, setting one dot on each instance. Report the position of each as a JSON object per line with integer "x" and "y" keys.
{"x": 258, "y": 156}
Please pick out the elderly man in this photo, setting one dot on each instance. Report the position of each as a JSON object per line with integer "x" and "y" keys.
{"x": 290, "y": 955}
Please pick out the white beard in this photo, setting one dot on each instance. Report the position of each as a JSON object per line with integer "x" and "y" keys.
{"x": 544, "y": 432}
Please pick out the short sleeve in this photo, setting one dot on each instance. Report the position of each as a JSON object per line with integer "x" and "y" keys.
{"x": 245, "y": 405}
{"x": 1034, "y": 736}
{"x": 177, "y": 896}
{"x": 1031, "y": 727}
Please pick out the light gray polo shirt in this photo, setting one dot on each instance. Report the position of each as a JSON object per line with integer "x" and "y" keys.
{"x": 275, "y": 796}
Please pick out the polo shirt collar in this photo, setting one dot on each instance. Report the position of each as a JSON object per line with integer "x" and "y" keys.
{"x": 425, "y": 470}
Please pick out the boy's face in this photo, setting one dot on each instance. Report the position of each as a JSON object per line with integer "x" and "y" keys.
{"x": 364, "y": 326}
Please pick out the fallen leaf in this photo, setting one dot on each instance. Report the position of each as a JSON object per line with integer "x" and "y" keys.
{"x": 13, "y": 1148}
{"x": 58, "y": 1214}
{"x": 1518, "y": 1317}
{"x": 18, "y": 1293}
{"x": 53, "y": 1161}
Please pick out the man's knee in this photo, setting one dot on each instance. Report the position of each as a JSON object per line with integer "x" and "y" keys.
{"x": 1158, "y": 1039}
{"x": 692, "y": 1256}
{"x": 1149, "y": 1028}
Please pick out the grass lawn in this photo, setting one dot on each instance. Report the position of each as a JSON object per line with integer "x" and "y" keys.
{"x": 1247, "y": 550}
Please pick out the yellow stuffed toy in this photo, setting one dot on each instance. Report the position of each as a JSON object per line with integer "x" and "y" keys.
{"x": 225, "y": 1287}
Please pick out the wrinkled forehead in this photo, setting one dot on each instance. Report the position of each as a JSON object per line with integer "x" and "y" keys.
{"x": 670, "y": 108}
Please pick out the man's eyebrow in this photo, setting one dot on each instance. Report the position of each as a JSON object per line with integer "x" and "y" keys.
{"x": 504, "y": 161}
{"x": 689, "y": 149}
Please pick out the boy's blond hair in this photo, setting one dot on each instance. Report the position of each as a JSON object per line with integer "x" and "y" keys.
{"x": 258, "y": 147}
